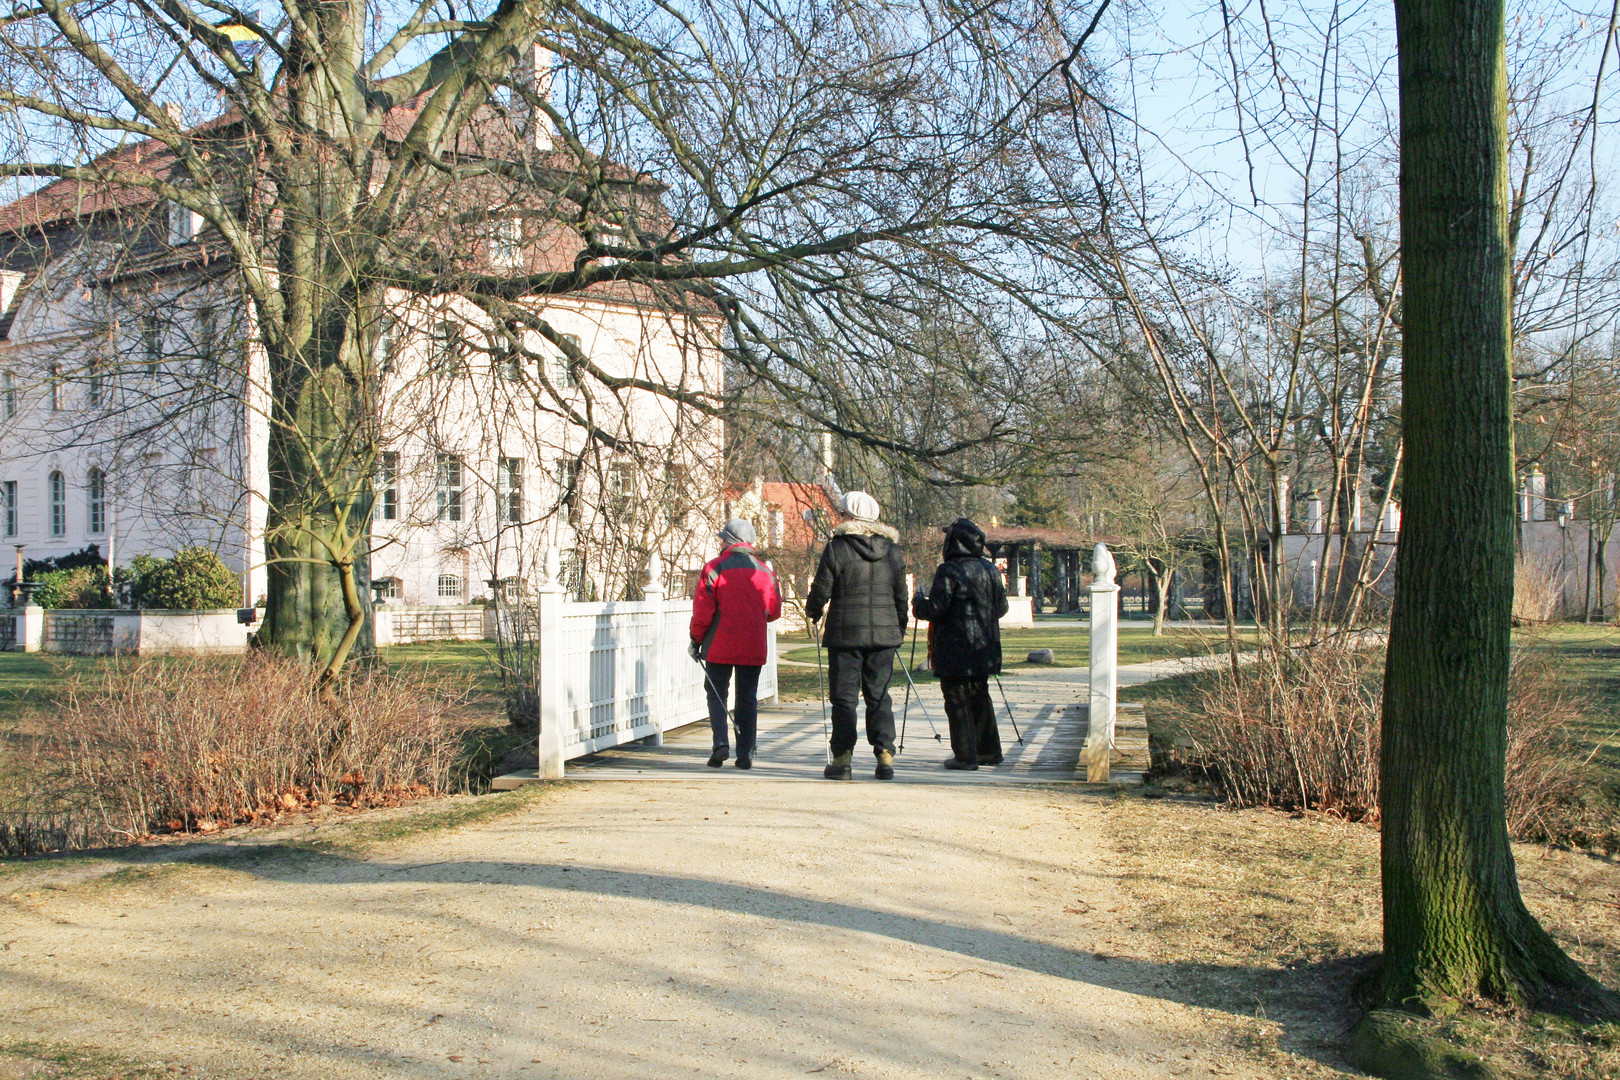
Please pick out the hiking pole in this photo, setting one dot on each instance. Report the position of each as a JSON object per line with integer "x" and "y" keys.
{"x": 826, "y": 732}
{"x": 926, "y": 714}
{"x": 906, "y": 709}
{"x": 1010, "y": 719}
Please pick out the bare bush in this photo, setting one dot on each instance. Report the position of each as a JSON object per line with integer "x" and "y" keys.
{"x": 1296, "y": 729}
{"x": 1538, "y": 591}
{"x": 1299, "y": 729}
{"x": 193, "y": 745}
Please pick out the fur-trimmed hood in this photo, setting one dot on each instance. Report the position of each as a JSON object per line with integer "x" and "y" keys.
{"x": 872, "y": 540}
{"x": 868, "y": 528}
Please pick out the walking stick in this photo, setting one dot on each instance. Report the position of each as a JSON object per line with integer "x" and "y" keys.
{"x": 1010, "y": 719}
{"x": 926, "y": 714}
{"x": 906, "y": 709}
{"x": 826, "y": 732}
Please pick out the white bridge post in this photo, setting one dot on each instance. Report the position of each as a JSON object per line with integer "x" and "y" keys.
{"x": 1104, "y": 665}
{"x": 550, "y": 689}
{"x": 657, "y": 697}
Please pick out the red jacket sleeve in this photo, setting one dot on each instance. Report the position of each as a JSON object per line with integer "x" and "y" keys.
{"x": 703, "y": 605}
{"x": 773, "y": 598}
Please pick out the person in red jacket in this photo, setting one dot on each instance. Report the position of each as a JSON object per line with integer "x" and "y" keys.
{"x": 736, "y": 596}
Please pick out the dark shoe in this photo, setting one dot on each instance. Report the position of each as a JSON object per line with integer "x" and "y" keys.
{"x": 718, "y": 758}
{"x": 744, "y": 761}
{"x": 839, "y": 768}
{"x": 885, "y": 765}
{"x": 959, "y": 765}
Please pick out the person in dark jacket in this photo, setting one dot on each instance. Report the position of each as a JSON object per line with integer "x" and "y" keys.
{"x": 736, "y": 597}
{"x": 965, "y": 606}
{"x": 861, "y": 585}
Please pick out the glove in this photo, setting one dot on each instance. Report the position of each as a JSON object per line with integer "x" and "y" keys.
{"x": 694, "y": 649}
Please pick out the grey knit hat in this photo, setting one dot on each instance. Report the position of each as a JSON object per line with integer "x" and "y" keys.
{"x": 738, "y": 531}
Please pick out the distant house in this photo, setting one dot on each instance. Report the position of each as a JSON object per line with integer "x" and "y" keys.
{"x": 134, "y": 409}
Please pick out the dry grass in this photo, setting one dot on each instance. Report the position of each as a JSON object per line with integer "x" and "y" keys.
{"x": 1299, "y": 730}
{"x": 1538, "y": 591}
{"x": 143, "y": 747}
{"x": 1277, "y": 916}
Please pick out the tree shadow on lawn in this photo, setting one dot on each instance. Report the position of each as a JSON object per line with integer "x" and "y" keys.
{"x": 1309, "y": 1000}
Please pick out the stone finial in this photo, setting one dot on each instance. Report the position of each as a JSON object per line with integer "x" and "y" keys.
{"x": 553, "y": 566}
{"x": 655, "y": 572}
{"x": 1102, "y": 565}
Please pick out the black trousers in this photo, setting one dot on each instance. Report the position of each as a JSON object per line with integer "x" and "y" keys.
{"x": 853, "y": 674}
{"x": 972, "y": 717}
{"x": 746, "y": 712}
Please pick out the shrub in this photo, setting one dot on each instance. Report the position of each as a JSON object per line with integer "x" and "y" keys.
{"x": 1299, "y": 729}
{"x": 83, "y": 587}
{"x": 195, "y": 744}
{"x": 1538, "y": 591}
{"x": 194, "y": 578}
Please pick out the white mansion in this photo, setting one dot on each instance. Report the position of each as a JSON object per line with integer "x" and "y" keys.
{"x": 133, "y": 417}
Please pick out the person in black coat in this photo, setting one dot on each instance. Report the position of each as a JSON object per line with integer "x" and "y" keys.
{"x": 860, "y": 584}
{"x": 965, "y": 606}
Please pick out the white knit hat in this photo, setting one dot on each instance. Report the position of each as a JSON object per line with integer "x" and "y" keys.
{"x": 858, "y": 504}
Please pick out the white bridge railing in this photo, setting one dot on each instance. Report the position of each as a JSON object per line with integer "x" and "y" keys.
{"x": 613, "y": 673}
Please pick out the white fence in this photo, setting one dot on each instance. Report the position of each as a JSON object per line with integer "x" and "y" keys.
{"x": 613, "y": 673}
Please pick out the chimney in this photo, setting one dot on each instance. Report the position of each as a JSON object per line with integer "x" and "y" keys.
{"x": 1535, "y": 489}
{"x": 533, "y": 74}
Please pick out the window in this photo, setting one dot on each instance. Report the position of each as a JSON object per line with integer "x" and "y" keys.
{"x": 10, "y": 492}
{"x": 509, "y": 490}
{"x": 388, "y": 484}
{"x": 509, "y": 365}
{"x": 444, "y": 348}
{"x": 58, "y": 389}
{"x": 207, "y": 343}
{"x": 567, "y": 478}
{"x": 621, "y": 485}
{"x": 448, "y": 476}
{"x": 390, "y": 588}
{"x": 773, "y": 526}
{"x": 8, "y": 383}
{"x": 563, "y": 375}
{"x": 182, "y": 223}
{"x": 506, "y": 244}
{"x": 58, "y": 485}
{"x": 449, "y": 587}
{"x": 387, "y": 342}
{"x": 95, "y": 382}
{"x": 151, "y": 344}
{"x": 96, "y": 481}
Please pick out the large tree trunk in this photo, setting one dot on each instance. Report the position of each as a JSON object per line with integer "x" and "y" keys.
{"x": 1454, "y": 922}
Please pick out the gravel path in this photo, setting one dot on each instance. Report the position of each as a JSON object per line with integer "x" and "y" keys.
{"x": 626, "y": 930}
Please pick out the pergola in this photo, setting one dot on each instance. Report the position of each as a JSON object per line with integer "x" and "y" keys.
{"x": 1021, "y": 548}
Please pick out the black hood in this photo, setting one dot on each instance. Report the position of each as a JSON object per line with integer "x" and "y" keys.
{"x": 870, "y": 539}
{"x": 964, "y": 540}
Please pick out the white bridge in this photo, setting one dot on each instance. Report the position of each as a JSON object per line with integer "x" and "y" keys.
{"x": 618, "y": 672}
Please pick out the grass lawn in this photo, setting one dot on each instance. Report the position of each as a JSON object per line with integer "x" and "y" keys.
{"x": 1588, "y": 656}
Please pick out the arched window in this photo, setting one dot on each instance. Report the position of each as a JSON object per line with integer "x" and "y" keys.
{"x": 58, "y": 503}
{"x": 96, "y": 482}
{"x": 449, "y": 586}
